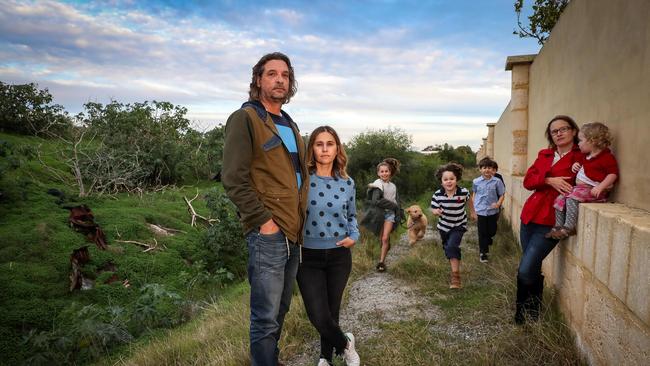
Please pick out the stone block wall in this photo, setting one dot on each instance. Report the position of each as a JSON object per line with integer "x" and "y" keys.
{"x": 594, "y": 67}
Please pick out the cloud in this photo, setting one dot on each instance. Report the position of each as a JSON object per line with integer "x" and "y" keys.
{"x": 289, "y": 16}
{"x": 434, "y": 89}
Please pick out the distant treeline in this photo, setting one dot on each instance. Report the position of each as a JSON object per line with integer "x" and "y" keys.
{"x": 116, "y": 147}
{"x": 125, "y": 147}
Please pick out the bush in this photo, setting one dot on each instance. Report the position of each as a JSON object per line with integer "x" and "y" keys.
{"x": 148, "y": 133}
{"x": 417, "y": 171}
{"x": 85, "y": 333}
{"x": 139, "y": 146}
{"x": 224, "y": 241}
{"x": 367, "y": 149}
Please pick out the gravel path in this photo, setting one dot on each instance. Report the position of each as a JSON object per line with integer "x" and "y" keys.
{"x": 378, "y": 298}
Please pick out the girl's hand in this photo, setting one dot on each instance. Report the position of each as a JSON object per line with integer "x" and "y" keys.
{"x": 560, "y": 184}
{"x": 596, "y": 191}
{"x": 347, "y": 242}
{"x": 576, "y": 167}
{"x": 437, "y": 211}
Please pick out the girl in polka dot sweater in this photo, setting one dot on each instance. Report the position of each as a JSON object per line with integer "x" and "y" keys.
{"x": 330, "y": 231}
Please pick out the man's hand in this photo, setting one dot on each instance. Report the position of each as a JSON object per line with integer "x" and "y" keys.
{"x": 347, "y": 242}
{"x": 269, "y": 227}
{"x": 576, "y": 167}
{"x": 560, "y": 184}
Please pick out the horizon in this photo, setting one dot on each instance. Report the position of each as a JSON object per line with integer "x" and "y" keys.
{"x": 432, "y": 69}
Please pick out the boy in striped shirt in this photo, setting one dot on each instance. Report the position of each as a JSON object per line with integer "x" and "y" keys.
{"x": 449, "y": 204}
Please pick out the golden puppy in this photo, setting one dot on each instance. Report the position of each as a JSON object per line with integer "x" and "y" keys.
{"x": 416, "y": 223}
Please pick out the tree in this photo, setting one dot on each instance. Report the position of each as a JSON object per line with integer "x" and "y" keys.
{"x": 148, "y": 135}
{"x": 367, "y": 149}
{"x": 545, "y": 14}
{"x": 28, "y": 110}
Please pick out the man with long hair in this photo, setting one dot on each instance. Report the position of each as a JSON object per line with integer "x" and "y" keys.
{"x": 265, "y": 176}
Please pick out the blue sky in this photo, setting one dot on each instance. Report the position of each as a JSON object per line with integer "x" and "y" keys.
{"x": 432, "y": 68}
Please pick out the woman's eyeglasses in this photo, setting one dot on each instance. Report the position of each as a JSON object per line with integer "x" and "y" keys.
{"x": 560, "y": 130}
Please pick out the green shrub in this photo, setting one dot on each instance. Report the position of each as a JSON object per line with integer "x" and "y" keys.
{"x": 224, "y": 241}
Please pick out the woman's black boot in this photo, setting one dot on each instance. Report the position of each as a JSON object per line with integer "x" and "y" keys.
{"x": 522, "y": 298}
{"x": 535, "y": 301}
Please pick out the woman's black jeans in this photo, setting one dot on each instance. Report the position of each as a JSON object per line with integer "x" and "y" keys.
{"x": 322, "y": 277}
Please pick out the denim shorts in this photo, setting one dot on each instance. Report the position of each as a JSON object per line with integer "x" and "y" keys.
{"x": 389, "y": 215}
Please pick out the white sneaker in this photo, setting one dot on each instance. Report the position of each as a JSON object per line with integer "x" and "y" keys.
{"x": 351, "y": 356}
{"x": 323, "y": 362}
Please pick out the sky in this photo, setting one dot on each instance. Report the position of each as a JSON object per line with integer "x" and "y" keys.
{"x": 434, "y": 69}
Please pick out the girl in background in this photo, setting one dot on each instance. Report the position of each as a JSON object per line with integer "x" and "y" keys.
{"x": 383, "y": 212}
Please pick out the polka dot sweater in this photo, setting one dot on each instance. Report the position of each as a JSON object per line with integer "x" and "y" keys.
{"x": 331, "y": 212}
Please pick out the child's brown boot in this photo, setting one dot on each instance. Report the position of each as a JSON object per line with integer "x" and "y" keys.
{"x": 455, "y": 280}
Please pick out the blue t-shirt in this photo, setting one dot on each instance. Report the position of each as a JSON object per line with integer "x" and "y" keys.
{"x": 486, "y": 193}
{"x": 331, "y": 212}
{"x": 289, "y": 141}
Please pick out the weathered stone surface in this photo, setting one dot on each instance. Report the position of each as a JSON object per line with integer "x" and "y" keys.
{"x": 611, "y": 336}
{"x": 571, "y": 287}
{"x": 588, "y": 238}
{"x": 620, "y": 259}
{"x": 638, "y": 294}
{"x": 602, "y": 246}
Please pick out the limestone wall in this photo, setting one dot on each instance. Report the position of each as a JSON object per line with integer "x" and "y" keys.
{"x": 594, "y": 67}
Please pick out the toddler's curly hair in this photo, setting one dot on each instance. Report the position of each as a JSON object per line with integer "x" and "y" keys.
{"x": 598, "y": 134}
{"x": 455, "y": 168}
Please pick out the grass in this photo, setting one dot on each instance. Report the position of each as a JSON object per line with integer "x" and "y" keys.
{"x": 476, "y": 328}
{"x": 36, "y": 243}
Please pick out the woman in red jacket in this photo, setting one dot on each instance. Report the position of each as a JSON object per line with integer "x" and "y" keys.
{"x": 549, "y": 175}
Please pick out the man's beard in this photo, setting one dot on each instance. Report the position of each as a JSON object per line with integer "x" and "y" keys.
{"x": 280, "y": 98}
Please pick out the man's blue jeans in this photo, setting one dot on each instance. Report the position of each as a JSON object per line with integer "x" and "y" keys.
{"x": 535, "y": 247}
{"x": 272, "y": 267}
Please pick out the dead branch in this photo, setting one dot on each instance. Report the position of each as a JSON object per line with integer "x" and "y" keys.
{"x": 164, "y": 231}
{"x": 148, "y": 247}
{"x": 195, "y": 215}
{"x": 56, "y": 173}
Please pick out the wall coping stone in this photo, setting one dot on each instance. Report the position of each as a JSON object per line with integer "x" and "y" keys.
{"x": 518, "y": 60}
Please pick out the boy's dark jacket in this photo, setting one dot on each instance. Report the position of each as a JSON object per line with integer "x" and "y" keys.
{"x": 259, "y": 175}
{"x": 374, "y": 208}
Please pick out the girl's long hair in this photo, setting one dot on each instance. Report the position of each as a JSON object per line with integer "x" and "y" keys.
{"x": 392, "y": 164}
{"x": 341, "y": 161}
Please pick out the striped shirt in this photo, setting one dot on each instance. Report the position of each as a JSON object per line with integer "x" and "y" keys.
{"x": 289, "y": 141}
{"x": 453, "y": 208}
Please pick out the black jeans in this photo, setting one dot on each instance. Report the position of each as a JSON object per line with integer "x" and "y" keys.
{"x": 322, "y": 277}
{"x": 487, "y": 229}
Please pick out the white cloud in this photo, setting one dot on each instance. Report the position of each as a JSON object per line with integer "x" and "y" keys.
{"x": 440, "y": 92}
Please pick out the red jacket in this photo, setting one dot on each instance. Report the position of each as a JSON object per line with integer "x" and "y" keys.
{"x": 539, "y": 206}
{"x": 600, "y": 166}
